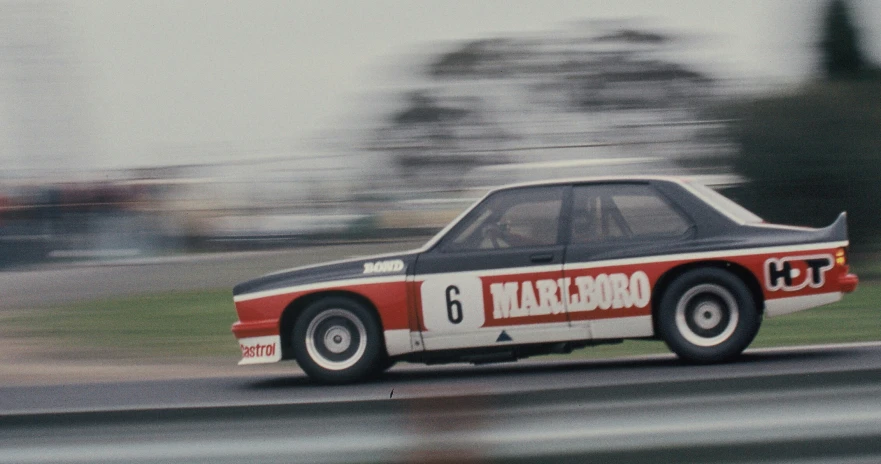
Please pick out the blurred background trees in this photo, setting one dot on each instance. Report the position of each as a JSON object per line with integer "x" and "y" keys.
{"x": 840, "y": 51}
{"x": 809, "y": 153}
{"x": 596, "y": 97}
{"x": 602, "y": 98}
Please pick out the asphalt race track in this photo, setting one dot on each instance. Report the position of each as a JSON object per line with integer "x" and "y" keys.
{"x": 814, "y": 404}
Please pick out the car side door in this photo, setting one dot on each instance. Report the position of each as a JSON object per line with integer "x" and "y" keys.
{"x": 493, "y": 279}
{"x": 617, "y": 231}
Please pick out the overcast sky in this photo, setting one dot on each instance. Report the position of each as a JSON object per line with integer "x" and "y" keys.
{"x": 158, "y": 77}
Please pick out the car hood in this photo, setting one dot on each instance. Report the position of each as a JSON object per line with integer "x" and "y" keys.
{"x": 385, "y": 265}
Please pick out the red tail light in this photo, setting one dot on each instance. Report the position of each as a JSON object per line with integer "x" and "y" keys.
{"x": 847, "y": 281}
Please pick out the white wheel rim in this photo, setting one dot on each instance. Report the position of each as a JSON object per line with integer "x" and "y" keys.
{"x": 714, "y": 304}
{"x": 337, "y": 339}
{"x": 708, "y": 315}
{"x": 330, "y": 336}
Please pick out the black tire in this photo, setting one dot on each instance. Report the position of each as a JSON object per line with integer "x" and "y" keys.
{"x": 708, "y": 315}
{"x": 337, "y": 340}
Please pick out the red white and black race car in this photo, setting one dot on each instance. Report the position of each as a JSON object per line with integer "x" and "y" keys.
{"x": 545, "y": 268}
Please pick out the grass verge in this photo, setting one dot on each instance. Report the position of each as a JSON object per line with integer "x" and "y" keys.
{"x": 176, "y": 324}
{"x": 194, "y": 324}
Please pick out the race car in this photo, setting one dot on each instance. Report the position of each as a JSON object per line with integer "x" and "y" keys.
{"x": 549, "y": 267}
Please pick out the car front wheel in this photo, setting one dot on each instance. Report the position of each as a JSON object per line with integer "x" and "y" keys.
{"x": 708, "y": 315}
{"x": 337, "y": 340}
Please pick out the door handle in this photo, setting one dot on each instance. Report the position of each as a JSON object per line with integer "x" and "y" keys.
{"x": 541, "y": 257}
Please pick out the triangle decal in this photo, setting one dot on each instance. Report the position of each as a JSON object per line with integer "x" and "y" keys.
{"x": 504, "y": 337}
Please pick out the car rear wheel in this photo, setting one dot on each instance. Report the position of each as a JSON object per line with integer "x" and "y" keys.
{"x": 337, "y": 340}
{"x": 708, "y": 315}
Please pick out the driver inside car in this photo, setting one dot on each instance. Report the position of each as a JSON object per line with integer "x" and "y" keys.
{"x": 502, "y": 235}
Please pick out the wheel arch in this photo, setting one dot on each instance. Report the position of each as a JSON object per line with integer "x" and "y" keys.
{"x": 742, "y": 273}
{"x": 293, "y": 310}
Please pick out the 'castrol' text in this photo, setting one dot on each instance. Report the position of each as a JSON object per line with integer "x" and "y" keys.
{"x": 257, "y": 351}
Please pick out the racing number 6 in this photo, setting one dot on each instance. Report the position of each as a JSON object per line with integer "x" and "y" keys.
{"x": 452, "y": 304}
{"x": 454, "y": 307}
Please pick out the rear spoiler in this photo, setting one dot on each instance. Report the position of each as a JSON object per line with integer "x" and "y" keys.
{"x": 837, "y": 231}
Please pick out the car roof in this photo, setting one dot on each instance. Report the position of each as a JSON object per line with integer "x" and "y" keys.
{"x": 595, "y": 179}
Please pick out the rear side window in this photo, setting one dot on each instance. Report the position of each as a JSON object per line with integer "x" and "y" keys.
{"x": 623, "y": 211}
{"x": 725, "y": 204}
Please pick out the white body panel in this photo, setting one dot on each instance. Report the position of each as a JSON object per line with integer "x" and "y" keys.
{"x": 781, "y": 306}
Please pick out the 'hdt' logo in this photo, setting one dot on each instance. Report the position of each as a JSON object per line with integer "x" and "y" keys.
{"x": 794, "y": 273}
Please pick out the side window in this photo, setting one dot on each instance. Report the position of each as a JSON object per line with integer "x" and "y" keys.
{"x": 620, "y": 211}
{"x": 522, "y": 217}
